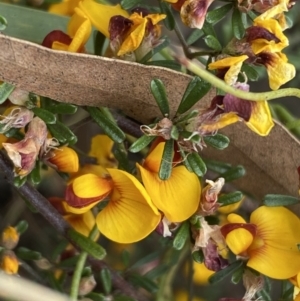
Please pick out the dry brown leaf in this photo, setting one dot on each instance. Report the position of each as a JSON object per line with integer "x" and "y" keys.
{"x": 271, "y": 162}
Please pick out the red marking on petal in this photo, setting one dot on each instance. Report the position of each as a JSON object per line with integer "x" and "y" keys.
{"x": 56, "y": 36}
{"x": 230, "y": 227}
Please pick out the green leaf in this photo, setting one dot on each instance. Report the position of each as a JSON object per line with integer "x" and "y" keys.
{"x": 220, "y": 275}
{"x": 143, "y": 282}
{"x": 147, "y": 259}
{"x": 121, "y": 155}
{"x": 45, "y": 115}
{"x": 181, "y": 236}
{"x": 194, "y": 36}
{"x": 108, "y": 126}
{"x": 174, "y": 132}
{"x": 237, "y": 275}
{"x": 122, "y": 298}
{"x": 106, "y": 280}
{"x": 213, "y": 43}
{"x": 86, "y": 244}
{"x": 21, "y": 227}
{"x": 96, "y": 297}
{"x": 165, "y": 167}
{"x": 157, "y": 49}
{"x": 195, "y": 90}
{"x": 197, "y": 164}
{"x": 273, "y": 200}
{"x": 165, "y": 63}
{"x": 99, "y": 41}
{"x": 141, "y": 143}
{"x": 198, "y": 256}
{"x": 62, "y": 108}
{"x": 19, "y": 182}
{"x": 234, "y": 173}
{"x": 250, "y": 71}
{"x": 5, "y": 90}
{"x": 169, "y": 21}
{"x": 208, "y": 29}
{"x": 230, "y": 198}
{"x": 159, "y": 92}
{"x": 128, "y": 4}
{"x": 62, "y": 133}
{"x": 3, "y": 23}
{"x": 35, "y": 176}
{"x": 158, "y": 271}
{"x": 27, "y": 254}
{"x": 217, "y": 166}
{"x": 238, "y": 28}
{"x": 217, "y": 141}
{"x": 125, "y": 255}
{"x": 214, "y": 16}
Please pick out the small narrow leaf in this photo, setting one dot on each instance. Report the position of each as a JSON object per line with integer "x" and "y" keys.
{"x": 181, "y": 236}
{"x": 86, "y": 244}
{"x": 62, "y": 133}
{"x": 141, "y": 143}
{"x": 165, "y": 168}
{"x": 21, "y": 227}
{"x": 194, "y": 36}
{"x": 99, "y": 41}
{"x": 250, "y": 72}
{"x": 35, "y": 176}
{"x": 234, "y": 173}
{"x": 143, "y": 282}
{"x": 220, "y": 275}
{"x": 62, "y": 108}
{"x": 213, "y": 43}
{"x": 174, "y": 132}
{"x": 218, "y": 14}
{"x": 108, "y": 126}
{"x": 169, "y": 21}
{"x": 237, "y": 275}
{"x": 238, "y": 28}
{"x": 5, "y": 91}
{"x": 19, "y": 182}
{"x": 3, "y": 23}
{"x": 197, "y": 164}
{"x": 121, "y": 154}
{"x": 159, "y": 92}
{"x": 45, "y": 115}
{"x": 27, "y": 254}
{"x": 230, "y": 198}
{"x": 217, "y": 141}
{"x": 273, "y": 200}
{"x": 195, "y": 90}
{"x": 106, "y": 280}
{"x": 198, "y": 256}
{"x": 216, "y": 166}
{"x": 165, "y": 63}
{"x": 128, "y": 4}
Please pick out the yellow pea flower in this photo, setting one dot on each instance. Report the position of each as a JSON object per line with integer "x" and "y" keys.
{"x": 178, "y": 197}
{"x": 269, "y": 241}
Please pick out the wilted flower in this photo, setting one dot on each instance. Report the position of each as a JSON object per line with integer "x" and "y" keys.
{"x": 9, "y": 238}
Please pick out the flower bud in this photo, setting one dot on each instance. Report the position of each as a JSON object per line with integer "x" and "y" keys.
{"x": 9, "y": 262}
{"x": 87, "y": 284}
{"x": 9, "y": 238}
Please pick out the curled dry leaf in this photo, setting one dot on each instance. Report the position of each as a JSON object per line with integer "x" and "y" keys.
{"x": 271, "y": 162}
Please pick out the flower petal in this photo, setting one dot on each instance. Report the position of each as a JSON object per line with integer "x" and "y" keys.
{"x": 279, "y": 257}
{"x": 130, "y": 215}
{"x": 178, "y": 197}
{"x": 238, "y": 240}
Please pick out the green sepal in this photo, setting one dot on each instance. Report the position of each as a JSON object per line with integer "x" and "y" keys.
{"x": 5, "y": 90}
{"x": 216, "y": 15}
{"x": 19, "y": 182}
{"x": 3, "y": 23}
{"x": 217, "y": 141}
{"x": 213, "y": 43}
{"x": 108, "y": 126}
{"x": 234, "y": 173}
{"x": 26, "y": 254}
{"x": 21, "y": 227}
{"x": 195, "y": 90}
{"x": 86, "y": 244}
{"x": 220, "y": 275}
{"x": 165, "y": 167}
{"x": 273, "y": 200}
{"x": 230, "y": 198}
{"x": 238, "y": 28}
{"x": 237, "y": 276}
{"x": 62, "y": 133}
{"x": 128, "y": 4}
{"x": 169, "y": 21}
{"x": 197, "y": 164}
{"x": 62, "y": 108}
{"x": 159, "y": 92}
{"x": 105, "y": 276}
{"x": 45, "y": 115}
{"x": 35, "y": 176}
{"x": 181, "y": 236}
{"x": 157, "y": 49}
{"x": 174, "y": 132}
{"x": 198, "y": 256}
{"x": 165, "y": 63}
{"x": 250, "y": 72}
{"x": 141, "y": 143}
